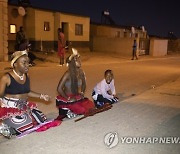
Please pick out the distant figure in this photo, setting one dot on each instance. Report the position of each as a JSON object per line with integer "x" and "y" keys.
{"x": 104, "y": 92}
{"x": 20, "y": 37}
{"x": 61, "y": 46}
{"x": 26, "y": 46}
{"x": 134, "y": 54}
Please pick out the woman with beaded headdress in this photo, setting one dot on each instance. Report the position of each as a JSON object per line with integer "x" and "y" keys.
{"x": 17, "y": 114}
{"x": 71, "y": 89}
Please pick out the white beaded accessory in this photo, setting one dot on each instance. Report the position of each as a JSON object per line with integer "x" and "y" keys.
{"x": 21, "y": 77}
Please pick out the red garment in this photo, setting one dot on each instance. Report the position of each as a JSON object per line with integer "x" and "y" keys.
{"x": 81, "y": 106}
{"x": 49, "y": 125}
{"x": 61, "y": 43}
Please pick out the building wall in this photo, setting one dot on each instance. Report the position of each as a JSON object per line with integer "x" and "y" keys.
{"x": 113, "y": 32}
{"x": 41, "y": 17}
{"x": 123, "y": 46}
{"x": 16, "y": 19}
{"x": 72, "y": 20}
{"x": 3, "y": 30}
{"x": 106, "y": 31}
{"x": 174, "y": 46}
{"x": 158, "y": 47}
{"x": 117, "y": 39}
{"x": 29, "y": 24}
{"x": 57, "y": 24}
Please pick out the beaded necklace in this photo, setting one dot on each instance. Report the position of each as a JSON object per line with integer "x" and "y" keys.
{"x": 21, "y": 77}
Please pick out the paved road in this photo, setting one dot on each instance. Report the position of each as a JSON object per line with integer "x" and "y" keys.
{"x": 150, "y": 112}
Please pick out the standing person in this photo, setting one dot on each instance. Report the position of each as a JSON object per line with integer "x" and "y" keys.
{"x": 16, "y": 113}
{"x": 26, "y": 46}
{"x": 71, "y": 89}
{"x": 61, "y": 46}
{"x": 20, "y": 37}
{"x": 104, "y": 91}
{"x": 134, "y": 54}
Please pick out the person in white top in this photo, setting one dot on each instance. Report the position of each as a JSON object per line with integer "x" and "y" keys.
{"x": 104, "y": 91}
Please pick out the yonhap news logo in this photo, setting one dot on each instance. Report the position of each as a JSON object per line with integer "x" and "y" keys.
{"x": 112, "y": 139}
{"x": 149, "y": 140}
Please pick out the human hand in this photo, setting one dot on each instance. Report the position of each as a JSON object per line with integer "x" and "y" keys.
{"x": 109, "y": 92}
{"x": 71, "y": 99}
{"x": 45, "y": 97}
{"x": 0, "y": 101}
{"x": 82, "y": 95}
{"x": 116, "y": 98}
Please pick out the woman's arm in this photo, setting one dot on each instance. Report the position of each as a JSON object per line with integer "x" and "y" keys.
{"x": 61, "y": 85}
{"x": 4, "y": 81}
{"x": 38, "y": 95}
{"x": 83, "y": 86}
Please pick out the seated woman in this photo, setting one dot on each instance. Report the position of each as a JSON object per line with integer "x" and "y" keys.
{"x": 17, "y": 114}
{"x": 104, "y": 91}
{"x": 71, "y": 89}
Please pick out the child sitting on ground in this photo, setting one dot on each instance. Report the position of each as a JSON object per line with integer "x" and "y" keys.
{"x": 104, "y": 91}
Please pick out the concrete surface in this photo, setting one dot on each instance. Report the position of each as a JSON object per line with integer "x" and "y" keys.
{"x": 149, "y": 106}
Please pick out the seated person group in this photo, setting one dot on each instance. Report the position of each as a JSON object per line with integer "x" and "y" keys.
{"x": 18, "y": 114}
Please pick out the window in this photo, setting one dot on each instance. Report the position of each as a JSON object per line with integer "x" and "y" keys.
{"x": 78, "y": 29}
{"x": 46, "y": 26}
{"x": 12, "y": 29}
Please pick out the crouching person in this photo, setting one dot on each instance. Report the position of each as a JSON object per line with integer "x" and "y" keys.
{"x": 104, "y": 91}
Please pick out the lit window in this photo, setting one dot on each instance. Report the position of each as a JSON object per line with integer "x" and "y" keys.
{"x": 78, "y": 29}
{"x": 12, "y": 29}
{"x": 46, "y": 26}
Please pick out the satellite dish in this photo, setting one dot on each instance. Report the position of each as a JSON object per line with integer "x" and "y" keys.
{"x": 133, "y": 30}
{"x": 143, "y": 29}
{"x": 21, "y": 11}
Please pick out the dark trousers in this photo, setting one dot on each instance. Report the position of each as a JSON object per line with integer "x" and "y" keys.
{"x": 101, "y": 100}
{"x": 134, "y": 55}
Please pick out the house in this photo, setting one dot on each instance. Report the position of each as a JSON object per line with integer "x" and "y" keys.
{"x": 41, "y": 26}
{"x": 118, "y": 39}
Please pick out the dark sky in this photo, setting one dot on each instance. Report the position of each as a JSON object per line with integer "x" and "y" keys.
{"x": 157, "y": 16}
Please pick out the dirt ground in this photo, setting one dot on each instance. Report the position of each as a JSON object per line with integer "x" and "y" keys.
{"x": 149, "y": 106}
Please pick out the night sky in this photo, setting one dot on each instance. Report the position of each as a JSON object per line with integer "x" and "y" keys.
{"x": 158, "y": 17}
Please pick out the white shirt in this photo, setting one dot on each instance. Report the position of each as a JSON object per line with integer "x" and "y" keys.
{"x": 102, "y": 88}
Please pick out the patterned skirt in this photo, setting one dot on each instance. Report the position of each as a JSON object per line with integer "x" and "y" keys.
{"x": 20, "y": 115}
